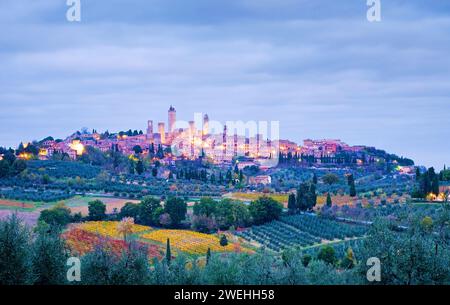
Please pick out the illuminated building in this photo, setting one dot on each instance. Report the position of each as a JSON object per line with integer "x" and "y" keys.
{"x": 205, "y": 125}
{"x": 172, "y": 119}
{"x": 162, "y": 132}
{"x": 149, "y": 131}
{"x": 78, "y": 147}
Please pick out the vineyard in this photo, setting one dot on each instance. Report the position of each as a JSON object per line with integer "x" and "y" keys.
{"x": 277, "y": 235}
{"x": 63, "y": 169}
{"x": 110, "y": 228}
{"x": 34, "y": 195}
{"x": 191, "y": 242}
{"x": 82, "y": 238}
{"x": 283, "y": 198}
{"x": 324, "y": 228}
{"x": 300, "y": 230}
{"x": 81, "y": 242}
{"x": 340, "y": 247}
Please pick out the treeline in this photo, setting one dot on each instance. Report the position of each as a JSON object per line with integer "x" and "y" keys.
{"x": 305, "y": 199}
{"x": 72, "y": 186}
{"x": 36, "y": 196}
{"x": 208, "y": 215}
{"x": 233, "y": 176}
{"x": 427, "y": 183}
{"x": 10, "y": 166}
{"x": 149, "y": 212}
{"x": 339, "y": 158}
{"x": 368, "y": 157}
{"x": 40, "y": 257}
{"x": 444, "y": 175}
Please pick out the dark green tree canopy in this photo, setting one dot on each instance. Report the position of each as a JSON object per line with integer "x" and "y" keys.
{"x": 265, "y": 209}
{"x": 97, "y": 210}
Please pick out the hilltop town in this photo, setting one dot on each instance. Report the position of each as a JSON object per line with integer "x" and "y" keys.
{"x": 194, "y": 142}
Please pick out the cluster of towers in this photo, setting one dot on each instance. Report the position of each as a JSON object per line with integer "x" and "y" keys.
{"x": 221, "y": 146}
{"x": 166, "y": 137}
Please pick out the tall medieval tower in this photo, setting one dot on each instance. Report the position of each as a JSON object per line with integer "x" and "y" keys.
{"x": 150, "y": 132}
{"x": 162, "y": 132}
{"x": 205, "y": 132}
{"x": 172, "y": 119}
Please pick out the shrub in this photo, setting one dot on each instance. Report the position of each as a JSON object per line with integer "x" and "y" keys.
{"x": 265, "y": 209}
{"x": 327, "y": 254}
{"x": 97, "y": 210}
{"x": 58, "y": 216}
{"x": 223, "y": 241}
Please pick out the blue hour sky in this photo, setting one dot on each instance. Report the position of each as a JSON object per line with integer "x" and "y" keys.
{"x": 317, "y": 66}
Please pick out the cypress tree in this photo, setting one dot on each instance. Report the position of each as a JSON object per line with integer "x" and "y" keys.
{"x": 241, "y": 176}
{"x": 208, "y": 256}
{"x": 312, "y": 196}
{"x": 435, "y": 185}
{"x": 152, "y": 150}
{"x": 417, "y": 174}
{"x": 350, "y": 180}
{"x": 229, "y": 176}
{"x": 292, "y": 204}
{"x": 160, "y": 152}
{"x": 426, "y": 184}
{"x": 302, "y": 197}
{"x": 168, "y": 253}
{"x": 139, "y": 167}
{"x": 352, "y": 189}
{"x": 329, "y": 202}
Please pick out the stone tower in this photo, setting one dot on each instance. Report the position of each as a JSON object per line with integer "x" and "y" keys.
{"x": 205, "y": 125}
{"x": 224, "y": 141}
{"x": 162, "y": 132}
{"x": 172, "y": 119}
{"x": 150, "y": 131}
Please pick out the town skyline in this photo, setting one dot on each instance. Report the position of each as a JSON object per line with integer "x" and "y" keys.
{"x": 168, "y": 127}
{"x": 255, "y": 143}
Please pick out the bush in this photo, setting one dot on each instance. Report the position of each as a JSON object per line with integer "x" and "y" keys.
{"x": 306, "y": 259}
{"x": 15, "y": 256}
{"x": 56, "y": 217}
{"x": 265, "y": 209}
{"x": 129, "y": 210}
{"x": 177, "y": 209}
{"x": 147, "y": 211}
{"x": 327, "y": 255}
{"x": 97, "y": 210}
{"x": 223, "y": 241}
{"x": 49, "y": 259}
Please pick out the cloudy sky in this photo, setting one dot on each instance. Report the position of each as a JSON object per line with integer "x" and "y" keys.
{"x": 317, "y": 66}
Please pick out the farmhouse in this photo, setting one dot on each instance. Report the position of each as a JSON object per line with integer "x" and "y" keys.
{"x": 262, "y": 179}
